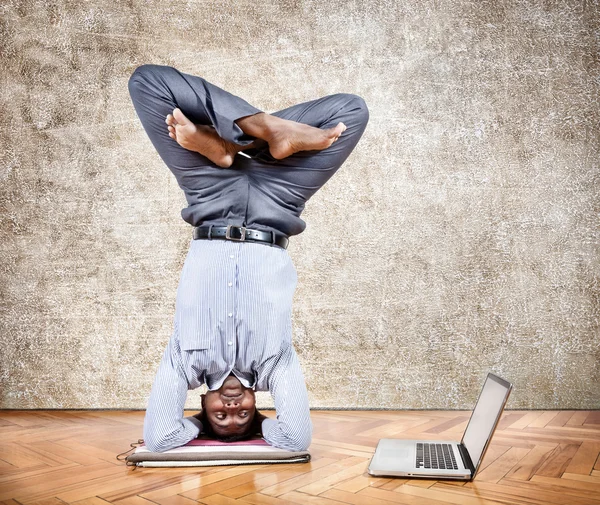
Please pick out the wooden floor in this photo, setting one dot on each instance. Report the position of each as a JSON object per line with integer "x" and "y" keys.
{"x": 57, "y": 457}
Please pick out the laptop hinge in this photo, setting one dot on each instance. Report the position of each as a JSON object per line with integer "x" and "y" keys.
{"x": 464, "y": 454}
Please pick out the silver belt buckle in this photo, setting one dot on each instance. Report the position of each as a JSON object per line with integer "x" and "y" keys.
{"x": 242, "y": 233}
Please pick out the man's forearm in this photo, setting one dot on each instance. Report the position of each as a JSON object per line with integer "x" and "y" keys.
{"x": 157, "y": 439}
{"x": 164, "y": 426}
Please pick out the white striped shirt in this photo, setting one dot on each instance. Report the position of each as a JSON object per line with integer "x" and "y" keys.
{"x": 233, "y": 315}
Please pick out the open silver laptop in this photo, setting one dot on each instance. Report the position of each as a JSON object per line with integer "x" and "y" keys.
{"x": 437, "y": 459}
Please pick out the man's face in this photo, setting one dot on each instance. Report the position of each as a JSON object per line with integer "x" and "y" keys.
{"x": 230, "y": 409}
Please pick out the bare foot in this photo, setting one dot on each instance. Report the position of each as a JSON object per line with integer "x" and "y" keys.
{"x": 201, "y": 139}
{"x": 288, "y": 137}
{"x": 293, "y": 137}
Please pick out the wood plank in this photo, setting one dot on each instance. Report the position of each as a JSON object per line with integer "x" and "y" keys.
{"x": 424, "y": 483}
{"x": 64, "y": 453}
{"x": 349, "y": 430}
{"x": 354, "y": 499}
{"x": 49, "y": 458}
{"x": 594, "y": 479}
{"x": 553, "y": 435}
{"x": 139, "y": 483}
{"x": 540, "y": 458}
{"x": 5, "y": 422}
{"x": 274, "y": 475}
{"x": 176, "y": 499}
{"x": 287, "y": 476}
{"x": 558, "y": 460}
{"x": 133, "y": 500}
{"x": 562, "y": 418}
{"x": 451, "y": 495}
{"x": 7, "y": 467}
{"x": 186, "y": 483}
{"x": 263, "y": 499}
{"x": 219, "y": 499}
{"x": 101, "y": 454}
{"x": 91, "y": 501}
{"x": 362, "y": 481}
{"x": 381, "y": 481}
{"x": 18, "y": 456}
{"x": 525, "y": 421}
{"x": 122, "y": 485}
{"x": 236, "y": 479}
{"x": 41, "y": 472}
{"x": 584, "y": 459}
{"x": 47, "y": 501}
{"x": 544, "y": 419}
{"x": 341, "y": 451}
{"x": 302, "y": 499}
{"x": 316, "y": 488}
{"x": 568, "y": 486}
{"x": 321, "y": 451}
{"x": 381, "y": 495}
{"x": 503, "y": 494}
{"x": 38, "y": 489}
{"x": 499, "y": 468}
{"x": 447, "y": 425}
{"x": 24, "y": 419}
{"x": 394, "y": 428}
{"x": 509, "y": 419}
{"x": 421, "y": 429}
{"x": 524, "y": 442}
{"x": 593, "y": 418}
{"x": 342, "y": 445}
{"x": 391, "y": 484}
{"x": 570, "y": 495}
{"x": 530, "y": 464}
{"x": 314, "y": 476}
{"x": 578, "y": 418}
{"x": 492, "y": 454}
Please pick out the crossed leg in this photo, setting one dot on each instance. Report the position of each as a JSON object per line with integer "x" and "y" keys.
{"x": 283, "y": 136}
{"x": 206, "y": 126}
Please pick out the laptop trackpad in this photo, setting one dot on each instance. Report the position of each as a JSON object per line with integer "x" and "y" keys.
{"x": 394, "y": 453}
{"x": 403, "y": 452}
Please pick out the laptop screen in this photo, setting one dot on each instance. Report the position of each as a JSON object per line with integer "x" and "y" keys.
{"x": 484, "y": 417}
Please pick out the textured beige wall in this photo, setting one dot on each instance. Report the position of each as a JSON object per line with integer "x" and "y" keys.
{"x": 461, "y": 236}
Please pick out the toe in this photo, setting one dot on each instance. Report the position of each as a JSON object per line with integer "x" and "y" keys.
{"x": 180, "y": 116}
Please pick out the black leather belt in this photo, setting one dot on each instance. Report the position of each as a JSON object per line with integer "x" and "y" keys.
{"x": 240, "y": 234}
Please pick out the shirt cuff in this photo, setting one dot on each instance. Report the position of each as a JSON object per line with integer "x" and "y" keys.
{"x": 267, "y": 425}
{"x": 196, "y": 422}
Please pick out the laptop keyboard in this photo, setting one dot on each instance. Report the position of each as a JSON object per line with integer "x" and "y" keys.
{"x": 436, "y": 456}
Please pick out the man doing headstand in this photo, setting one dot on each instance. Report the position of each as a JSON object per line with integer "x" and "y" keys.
{"x": 232, "y": 328}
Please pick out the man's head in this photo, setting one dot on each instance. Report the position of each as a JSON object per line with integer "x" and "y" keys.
{"x": 229, "y": 413}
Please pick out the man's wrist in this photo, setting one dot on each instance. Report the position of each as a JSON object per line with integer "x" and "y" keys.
{"x": 266, "y": 425}
{"x": 195, "y": 420}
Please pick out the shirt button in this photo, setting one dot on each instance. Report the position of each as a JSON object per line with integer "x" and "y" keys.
{"x": 231, "y": 256}
{"x": 230, "y": 343}
{"x": 230, "y": 284}
{"x": 230, "y": 314}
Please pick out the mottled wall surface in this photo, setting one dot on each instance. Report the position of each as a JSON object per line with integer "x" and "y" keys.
{"x": 461, "y": 236}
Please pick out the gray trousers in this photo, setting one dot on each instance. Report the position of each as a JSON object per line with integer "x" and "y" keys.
{"x": 258, "y": 192}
